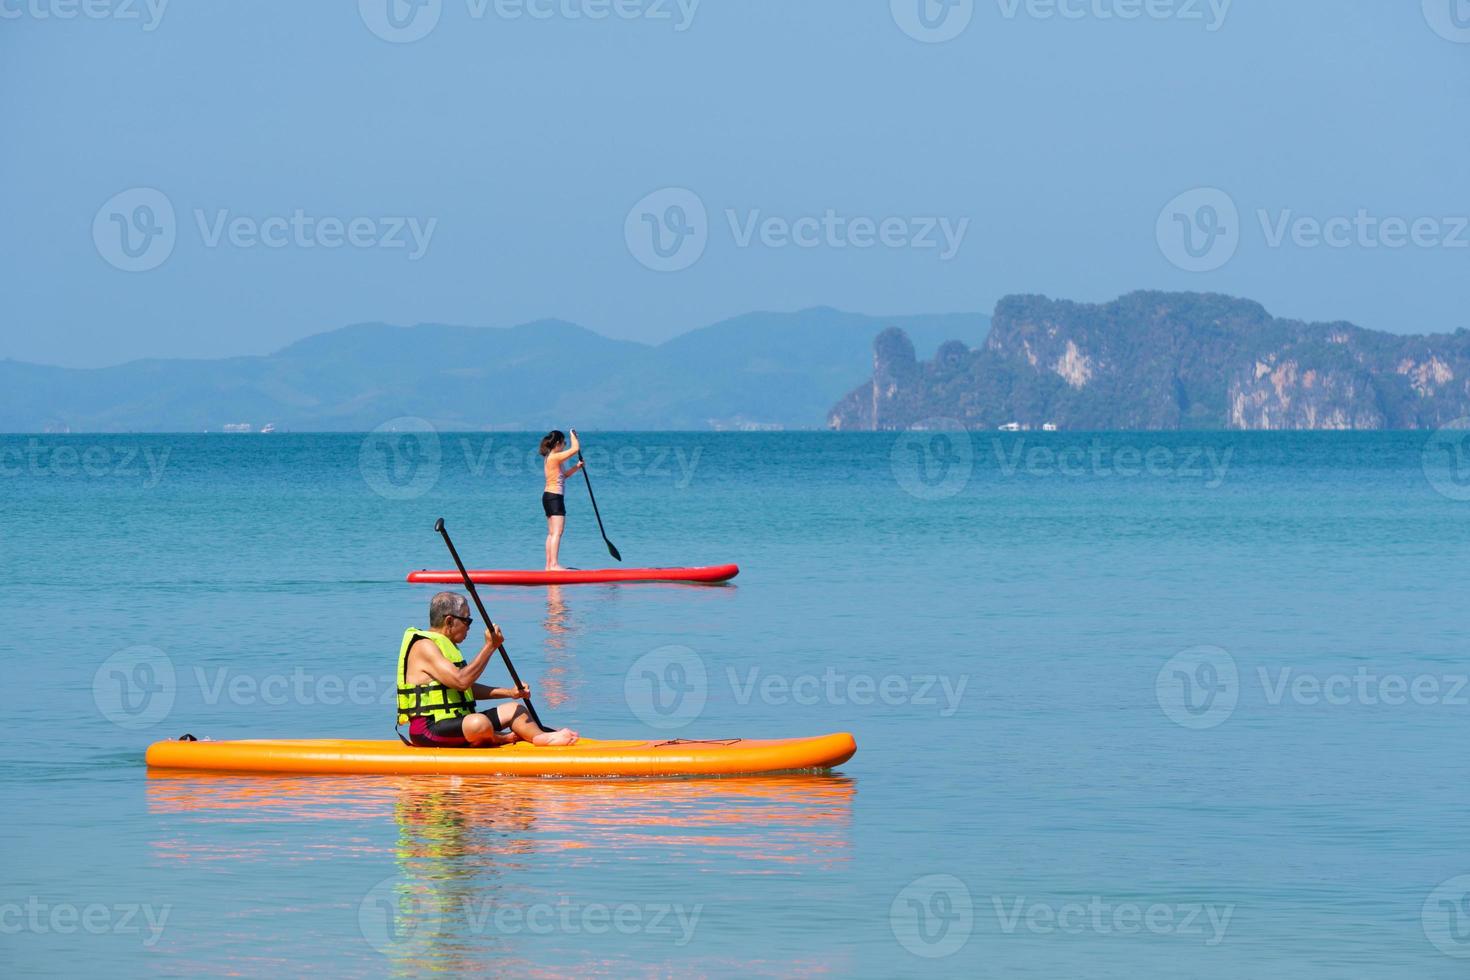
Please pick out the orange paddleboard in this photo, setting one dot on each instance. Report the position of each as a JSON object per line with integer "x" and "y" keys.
{"x": 589, "y": 757}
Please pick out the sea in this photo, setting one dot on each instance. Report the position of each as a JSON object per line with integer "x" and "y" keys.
{"x": 1126, "y": 704}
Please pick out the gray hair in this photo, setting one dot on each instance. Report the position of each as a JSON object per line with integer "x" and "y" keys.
{"x": 444, "y": 605}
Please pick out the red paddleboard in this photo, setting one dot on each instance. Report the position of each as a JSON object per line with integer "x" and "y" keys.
{"x": 577, "y": 576}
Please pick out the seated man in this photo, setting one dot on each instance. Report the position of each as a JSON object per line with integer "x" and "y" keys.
{"x": 437, "y": 689}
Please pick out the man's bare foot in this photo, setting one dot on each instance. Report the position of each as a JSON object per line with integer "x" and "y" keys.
{"x": 562, "y": 736}
{"x": 555, "y": 568}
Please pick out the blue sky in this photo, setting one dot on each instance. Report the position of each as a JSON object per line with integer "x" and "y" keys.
{"x": 671, "y": 162}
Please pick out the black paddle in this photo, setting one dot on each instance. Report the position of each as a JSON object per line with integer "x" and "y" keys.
{"x": 469, "y": 584}
{"x": 611, "y": 548}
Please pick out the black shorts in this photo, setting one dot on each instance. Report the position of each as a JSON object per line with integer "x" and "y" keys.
{"x": 449, "y": 733}
{"x": 554, "y": 504}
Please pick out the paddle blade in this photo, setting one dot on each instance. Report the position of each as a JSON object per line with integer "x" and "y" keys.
{"x": 612, "y": 549}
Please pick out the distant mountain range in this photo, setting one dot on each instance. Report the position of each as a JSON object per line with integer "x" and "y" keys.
{"x": 1164, "y": 361}
{"x": 1146, "y": 361}
{"x": 759, "y": 370}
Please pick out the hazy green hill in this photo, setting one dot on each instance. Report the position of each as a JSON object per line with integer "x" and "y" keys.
{"x": 780, "y": 369}
{"x": 761, "y": 368}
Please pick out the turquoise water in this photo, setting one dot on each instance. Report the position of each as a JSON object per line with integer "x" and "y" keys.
{"x": 1184, "y": 705}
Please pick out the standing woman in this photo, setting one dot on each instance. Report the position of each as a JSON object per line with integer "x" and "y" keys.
{"x": 556, "y": 451}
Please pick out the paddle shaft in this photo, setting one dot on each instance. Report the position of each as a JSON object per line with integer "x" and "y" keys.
{"x": 611, "y": 549}
{"x": 474, "y": 594}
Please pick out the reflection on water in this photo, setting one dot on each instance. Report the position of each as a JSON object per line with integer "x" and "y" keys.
{"x": 560, "y": 677}
{"x": 481, "y": 869}
{"x": 800, "y": 819}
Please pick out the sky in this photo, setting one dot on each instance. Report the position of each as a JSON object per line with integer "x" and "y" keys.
{"x": 207, "y": 180}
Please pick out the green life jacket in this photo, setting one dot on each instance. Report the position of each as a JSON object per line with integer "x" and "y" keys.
{"x": 433, "y": 700}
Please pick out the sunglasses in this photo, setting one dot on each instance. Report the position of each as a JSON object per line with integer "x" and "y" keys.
{"x": 467, "y": 622}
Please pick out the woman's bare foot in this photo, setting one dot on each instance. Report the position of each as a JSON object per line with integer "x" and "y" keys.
{"x": 562, "y": 736}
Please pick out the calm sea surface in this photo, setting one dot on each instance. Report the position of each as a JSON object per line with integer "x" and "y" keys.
{"x": 1126, "y": 705}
